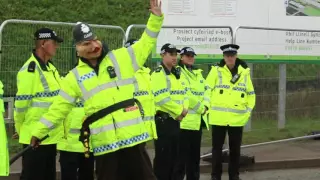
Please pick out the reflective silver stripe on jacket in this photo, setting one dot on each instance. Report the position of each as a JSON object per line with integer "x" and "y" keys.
{"x": 112, "y": 84}
{"x": 179, "y": 101}
{"x": 116, "y": 125}
{"x": 219, "y": 76}
{"x": 43, "y": 80}
{"x": 42, "y": 77}
{"x": 167, "y": 80}
{"x": 67, "y": 97}
{"x": 148, "y": 118}
{"x": 133, "y": 58}
{"x": 20, "y": 110}
{"x": 74, "y": 131}
{"x": 34, "y": 104}
{"x": 47, "y": 123}
{"x": 197, "y": 107}
{"x": 115, "y": 65}
{"x": 163, "y": 101}
{"x": 192, "y": 112}
{"x": 151, "y": 33}
{"x": 41, "y": 104}
{"x": 238, "y": 111}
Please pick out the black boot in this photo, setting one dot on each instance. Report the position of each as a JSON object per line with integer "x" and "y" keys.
{"x": 215, "y": 178}
{"x": 234, "y": 178}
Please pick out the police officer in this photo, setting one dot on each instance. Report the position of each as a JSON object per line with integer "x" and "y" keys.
{"x": 4, "y": 151}
{"x": 38, "y": 83}
{"x": 191, "y": 126}
{"x": 172, "y": 107}
{"x": 73, "y": 163}
{"x": 145, "y": 96}
{"x": 105, "y": 81}
{"x": 232, "y": 100}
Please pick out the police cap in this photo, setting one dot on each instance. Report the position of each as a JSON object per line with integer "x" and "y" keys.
{"x": 231, "y": 49}
{"x": 169, "y": 48}
{"x": 130, "y": 42}
{"x": 46, "y": 33}
{"x": 187, "y": 51}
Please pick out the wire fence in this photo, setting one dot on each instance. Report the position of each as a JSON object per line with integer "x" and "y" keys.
{"x": 17, "y": 43}
{"x": 287, "y": 94}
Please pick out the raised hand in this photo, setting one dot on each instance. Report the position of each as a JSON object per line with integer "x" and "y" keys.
{"x": 155, "y": 7}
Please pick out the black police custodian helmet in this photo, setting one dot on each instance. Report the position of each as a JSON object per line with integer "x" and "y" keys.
{"x": 82, "y": 32}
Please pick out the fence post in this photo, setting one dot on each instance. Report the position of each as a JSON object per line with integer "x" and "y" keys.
{"x": 282, "y": 96}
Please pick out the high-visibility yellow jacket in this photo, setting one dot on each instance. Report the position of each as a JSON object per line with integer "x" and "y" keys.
{"x": 72, "y": 124}
{"x": 230, "y": 104}
{"x": 123, "y": 128}
{"x": 145, "y": 96}
{"x": 38, "y": 84}
{"x": 199, "y": 98}
{"x": 4, "y": 151}
{"x": 169, "y": 92}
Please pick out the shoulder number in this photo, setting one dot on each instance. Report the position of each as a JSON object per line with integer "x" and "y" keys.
{"x": 32, "y": 66}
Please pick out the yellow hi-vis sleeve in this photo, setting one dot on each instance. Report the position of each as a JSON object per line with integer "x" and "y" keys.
{"x": 140, "y": 51}
{"x": 162, "y": 95}
{"x": 60, "y": 108}
{"x": 24, "y": 95}
{"x": 193, "y": 101}
{"x": 211, "y": 81}
{"x": 251, "y": 96}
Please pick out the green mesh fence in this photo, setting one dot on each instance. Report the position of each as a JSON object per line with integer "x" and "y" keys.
{"x": 17, "y": 44}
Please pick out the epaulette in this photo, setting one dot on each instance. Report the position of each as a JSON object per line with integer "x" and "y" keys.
{"x": 158, "y": 69}
{"x": 32, "y": 66}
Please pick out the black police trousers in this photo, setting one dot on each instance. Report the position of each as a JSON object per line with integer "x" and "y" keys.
{"x": 166, "y": 147}
{"x": 40, "y": 163}
{"x": 189, "y": 155}
{"x": 129, "y": 163}
{"x": 74, "y": 166}
{"x": 218, "y": 137}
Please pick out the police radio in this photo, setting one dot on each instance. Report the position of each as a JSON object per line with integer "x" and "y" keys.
{"x": 176, "y": 72}
{"x": 111, "y": 72}
{"x": 235, "y": 78}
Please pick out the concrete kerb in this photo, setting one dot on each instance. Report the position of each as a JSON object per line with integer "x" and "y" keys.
{"x": 258, "y": 166}
{"x": 270, "y": 165}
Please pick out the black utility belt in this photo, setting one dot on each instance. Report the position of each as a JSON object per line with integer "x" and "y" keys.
{"x": 85, "y": 131}
{"x": 162, "y": 114}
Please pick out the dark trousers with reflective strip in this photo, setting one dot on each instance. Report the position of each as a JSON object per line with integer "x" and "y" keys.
{"x": 189, "y": 155}
{"x": 74, "y": 166}
{"x": 39, "y": 164}
{"x": 218, "y": 137}
{"x": 125, "y": 164}
{"x": 166, "y": 147}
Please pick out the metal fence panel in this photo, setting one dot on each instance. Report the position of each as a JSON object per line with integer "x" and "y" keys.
{"x": 287, "y": 93}
{"x": 16, "y": 44}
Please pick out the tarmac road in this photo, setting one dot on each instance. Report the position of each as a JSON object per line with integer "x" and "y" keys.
{"x": 292, "y": 174}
